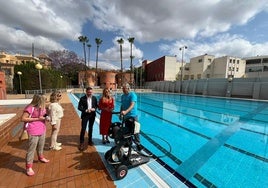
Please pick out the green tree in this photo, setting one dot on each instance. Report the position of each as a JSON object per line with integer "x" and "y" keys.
{"x": 98, "y": 42}
{"x": 30, "y": 77}
{"x": 68, "y": 63}
{"x": 84, "y": 40}
{"x": 131, "y": 41}
{"x": 89, "y": 46}
{"x": 120, "y": 42}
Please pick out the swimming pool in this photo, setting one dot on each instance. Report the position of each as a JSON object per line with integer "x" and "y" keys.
{"x": 209, "y": 142}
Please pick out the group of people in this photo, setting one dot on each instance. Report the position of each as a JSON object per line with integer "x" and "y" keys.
{"x": 35, "y": 116}
{"x": 38, "y": 112}
{"x": 88, "y": 105}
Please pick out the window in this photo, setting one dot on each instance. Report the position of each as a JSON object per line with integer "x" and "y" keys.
{"x": 199, "y": 60}
{"x": 237, "y": 69}
{"x": 237, "y": 61}
{"x": 198, "y": 76}
{"x": 208, "y": 75}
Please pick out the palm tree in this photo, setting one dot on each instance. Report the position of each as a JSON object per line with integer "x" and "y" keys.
{"x": 89, "y": 46}
{"x": 98, "y": 42}
{"x": 84, "y": 40}
{"x": 131, "y": 41}
{"x": 120, "y": 42}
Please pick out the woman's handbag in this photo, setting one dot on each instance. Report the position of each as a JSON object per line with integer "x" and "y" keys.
{"x": 24, "y": 134}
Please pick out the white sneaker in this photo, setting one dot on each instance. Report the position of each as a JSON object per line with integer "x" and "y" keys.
{"x": 58, "y": 144}
{"x": 56, "y": 148}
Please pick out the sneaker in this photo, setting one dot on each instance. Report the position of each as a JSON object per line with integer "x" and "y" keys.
{"x": 29, "y": 172}
{"x": 58, "y": 144}
{"x": 56, "y": 148}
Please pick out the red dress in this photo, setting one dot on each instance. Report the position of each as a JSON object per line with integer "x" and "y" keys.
{"x": 106, "y": 106}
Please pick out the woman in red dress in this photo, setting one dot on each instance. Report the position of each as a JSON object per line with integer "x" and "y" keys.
{"x": 106, "y": 105}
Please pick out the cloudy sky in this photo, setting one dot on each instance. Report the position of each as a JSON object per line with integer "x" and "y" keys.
{"x": 160, "y": 27}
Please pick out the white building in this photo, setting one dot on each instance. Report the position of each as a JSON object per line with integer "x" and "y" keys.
{"x": 207, "y": 66}
{"x": 256, "y": 67}
{"x": 200, "y": 67}
{"x": 228, "y": 67}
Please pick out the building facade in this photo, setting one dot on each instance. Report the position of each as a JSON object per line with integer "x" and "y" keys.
{"x": 2, "y": 86}
{"x": 8, "y": 61}
{"x": 104, "y": 79}
{"x": 256, "y": 67}
{"x": 207, "y": 66}
{"x": 165, "y": 68}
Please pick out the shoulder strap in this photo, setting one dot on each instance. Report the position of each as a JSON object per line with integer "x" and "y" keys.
{"x": 32, "y": 112}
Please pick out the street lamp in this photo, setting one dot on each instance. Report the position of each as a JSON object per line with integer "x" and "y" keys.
{"x": 20, "y": 73}
{"x": 182, "y": 53}
{"x": 61, "y": 81}
{"x": 38, "y": 66}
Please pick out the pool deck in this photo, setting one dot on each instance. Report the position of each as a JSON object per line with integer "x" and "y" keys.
{"x": 67, "y": 168}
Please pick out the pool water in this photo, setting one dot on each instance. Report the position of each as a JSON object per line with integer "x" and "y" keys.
{"x": 209, "y": 142}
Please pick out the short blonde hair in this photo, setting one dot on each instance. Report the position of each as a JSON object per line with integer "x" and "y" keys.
{"x": 126, "y": 85}
{"x": 54, "y": 96}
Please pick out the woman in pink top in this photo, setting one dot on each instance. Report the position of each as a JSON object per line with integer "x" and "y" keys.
{"x": 34, "y": 117}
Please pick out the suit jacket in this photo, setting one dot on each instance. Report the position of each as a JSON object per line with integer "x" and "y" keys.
{"x": 82, "y": 106}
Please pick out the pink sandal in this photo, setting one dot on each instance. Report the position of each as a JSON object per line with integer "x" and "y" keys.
{"x": 29, "y": 172}
{"x": 43, "y": 160}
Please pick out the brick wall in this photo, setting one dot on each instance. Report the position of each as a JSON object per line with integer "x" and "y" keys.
{"x": 12, "y": 128}
{"x": 3, "y": 93}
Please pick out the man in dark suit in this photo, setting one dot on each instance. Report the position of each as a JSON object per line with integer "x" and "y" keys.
{"x": 88, "y": 105}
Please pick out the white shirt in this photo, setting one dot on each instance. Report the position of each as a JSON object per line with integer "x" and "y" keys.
{"x": 56, "y": 112}
{"x": 89, "y": 103}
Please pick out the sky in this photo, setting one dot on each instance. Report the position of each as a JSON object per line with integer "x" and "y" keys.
{"x": 236, "y": 28}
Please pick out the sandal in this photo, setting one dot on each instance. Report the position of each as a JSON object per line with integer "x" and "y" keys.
{"x": 29, "y": 172}
{"x": 43, "y": 160}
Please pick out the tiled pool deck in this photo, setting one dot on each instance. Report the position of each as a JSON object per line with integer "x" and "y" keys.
{"x": 70, "y": 167}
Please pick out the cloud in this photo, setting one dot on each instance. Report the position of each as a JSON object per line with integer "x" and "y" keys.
{"x": 154, "y": 20}
{"x": 17, "y": 41}
{"x": 221, "y": 45}
{"x": 203, "y": 26}
{"x": 112, "y": 54}
{"x": 44, "y": 22}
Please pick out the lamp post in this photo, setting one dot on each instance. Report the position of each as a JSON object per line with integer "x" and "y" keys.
{"x": 61, "y": 81}
{"x": 20, "y": 73}
{"x": 38, "y": 66}
{"x": 182, "y": 53}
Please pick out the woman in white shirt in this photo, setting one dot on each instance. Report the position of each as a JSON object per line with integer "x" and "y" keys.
{"x": 56, "y": 113}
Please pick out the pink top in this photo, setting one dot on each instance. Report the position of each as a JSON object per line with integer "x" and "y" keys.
{"x": 36, "y": 127}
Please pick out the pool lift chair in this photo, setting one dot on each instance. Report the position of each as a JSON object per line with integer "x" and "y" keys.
{"x": 124, "y": 155}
